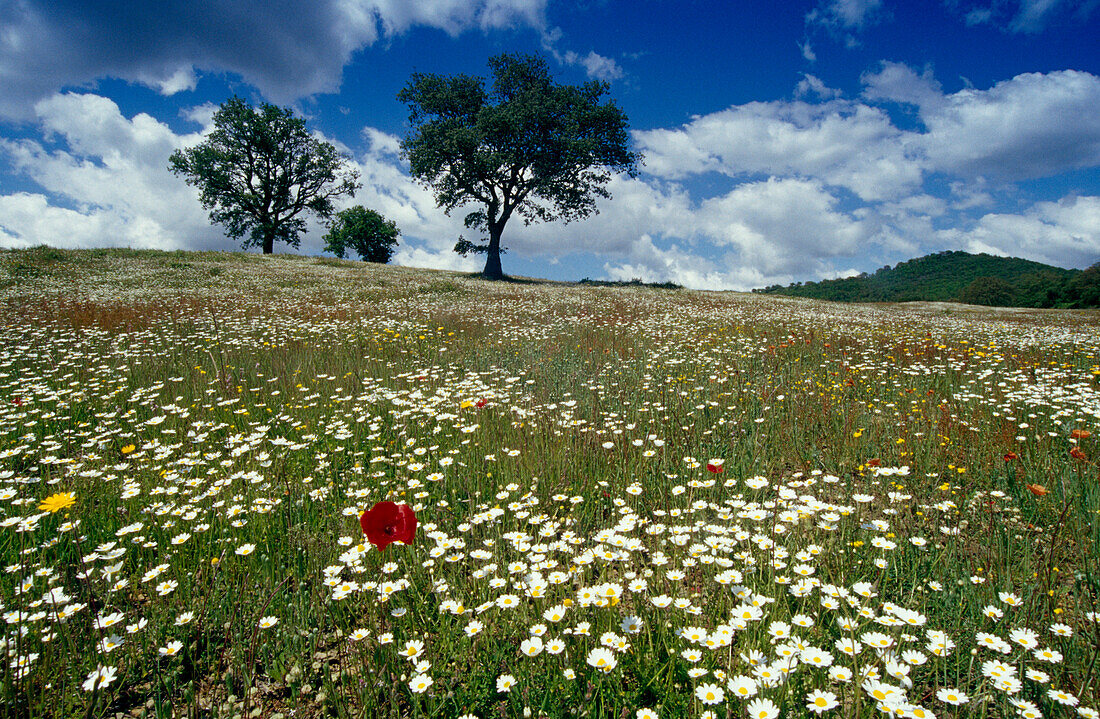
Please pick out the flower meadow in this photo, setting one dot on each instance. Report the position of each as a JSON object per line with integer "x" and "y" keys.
{"x": 591, "y": 501}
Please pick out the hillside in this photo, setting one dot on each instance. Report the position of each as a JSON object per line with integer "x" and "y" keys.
{"x": 961, "y": 277}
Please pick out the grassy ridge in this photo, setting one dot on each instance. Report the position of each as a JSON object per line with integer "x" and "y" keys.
{"x": 632, "y": 501}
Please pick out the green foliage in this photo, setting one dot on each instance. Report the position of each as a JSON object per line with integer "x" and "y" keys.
{"x": 528, "y": 146}
{"x": 258, "y": 171}
{"x": 464, "y": 247}
{"x": 1083, "y": 289}
{"x": 959, "y": 276}
{"x": 990, "y": 291}
{"x": 368, "y": 233}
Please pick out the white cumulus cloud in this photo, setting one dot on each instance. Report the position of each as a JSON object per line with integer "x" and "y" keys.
{"x": 783, "y": 226}
{"x": 1033, "y": 125}
{"x": 108, "y": 183}
{"x": 638, "y": 207}
{"x": 1064, "y": 233}
{"x": 650, "y": 263}
{"x": 897, "y": 82}
{"x": 597, "y": 66}
{"x": 848, "y": 144}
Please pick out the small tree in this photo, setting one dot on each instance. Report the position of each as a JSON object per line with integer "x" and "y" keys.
{"x": 259, "y": 171}
{"x": 370, "y": 234}
{"x": 530, "y": 146}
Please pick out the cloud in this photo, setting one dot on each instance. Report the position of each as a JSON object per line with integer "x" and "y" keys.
{"x": 596, "y": 66}
{"x": 637, "y": 207}
{"x": 287, "y": 49}
{"x": 388, "y": 189}
{"x": 1028, "y": 17}
{"x": 1064, "y": 233}
{"x": 846, "y": 14}
{"x": 967, "y": 195}
{"x": 1033, "y": 15}
{"x": 783, "y": 226}
{"x": 109, "y": 176}
{"x": 417, "y": 255}
{"x": 650, "y": 263}
{"x": 28, "y": 219}
{"x": 1034, "y": 125}
{"x": 183, "y": 79}
{"x": 978, "y": 16}
{"x": 844, "y": 18}
{"x": 811, "y": 85}
{"x": 847, "y": 144}
{"x": 897, "y": 82}
{"x": 792, "y": 163}
{"x": 759, "y": 233}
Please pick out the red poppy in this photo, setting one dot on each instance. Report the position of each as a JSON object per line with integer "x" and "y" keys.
{"x": 874, "y": 462}
{"x": 1080, "y": 434}
{"x": 17, "y": 400}
{"x": 387, "y": 522}
{"x": 715, "y": 466}
{"x": 1009, "y": 456}
{"x": 1076, "y": 453}
{"x": 1037, "y": 489}
{"x": 481, "y": 403}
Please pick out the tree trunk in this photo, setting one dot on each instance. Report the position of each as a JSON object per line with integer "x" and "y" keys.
{"x": 269, "y": 240}
{"x": 492, "y": 269}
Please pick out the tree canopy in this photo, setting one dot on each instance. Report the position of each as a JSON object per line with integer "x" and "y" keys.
{"x": 367, "y": 232}
{"x": 259, "y": 171}
{"x": 528, "y": 146}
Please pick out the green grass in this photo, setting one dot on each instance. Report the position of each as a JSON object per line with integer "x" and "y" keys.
{"x": 220, "y": 420}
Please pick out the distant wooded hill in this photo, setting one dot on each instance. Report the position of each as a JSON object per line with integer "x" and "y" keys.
{"x": 961, "y": 277}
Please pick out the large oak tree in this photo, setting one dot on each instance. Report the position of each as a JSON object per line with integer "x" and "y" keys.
{"x": 527, "y": 146}
{"x": 260, "y": 170}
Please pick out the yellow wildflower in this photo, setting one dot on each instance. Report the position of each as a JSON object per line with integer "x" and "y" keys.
{"x": 57, "y": 502}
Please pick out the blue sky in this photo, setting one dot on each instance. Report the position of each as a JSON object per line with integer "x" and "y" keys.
{"x": 782, "y": 141}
